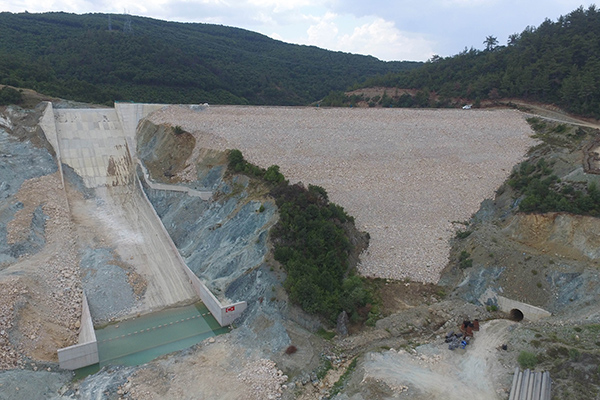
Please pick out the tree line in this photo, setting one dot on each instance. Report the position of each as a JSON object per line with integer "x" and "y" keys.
{"x": 557, "y": 62}
{"x": 102, "y": 58}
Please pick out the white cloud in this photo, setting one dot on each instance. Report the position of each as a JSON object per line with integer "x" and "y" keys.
{"x": 382, "y": 39}
{"x": 376, "y": 37}
{"x": 324, "y": 32}
{"x": 282, "y": 5}
{"x": 390, "y": 30}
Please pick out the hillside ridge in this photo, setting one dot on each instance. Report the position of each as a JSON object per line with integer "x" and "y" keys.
{"x": 83, "y": 58}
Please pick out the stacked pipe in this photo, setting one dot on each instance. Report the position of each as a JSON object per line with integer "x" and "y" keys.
{"x": 530, "y": 385}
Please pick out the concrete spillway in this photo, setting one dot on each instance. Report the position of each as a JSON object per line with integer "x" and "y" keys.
{"x": 112, "y": 215}
{"x": 94, "y": 143}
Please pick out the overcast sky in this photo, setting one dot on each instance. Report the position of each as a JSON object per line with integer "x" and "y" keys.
{"x": 387, "y": 29}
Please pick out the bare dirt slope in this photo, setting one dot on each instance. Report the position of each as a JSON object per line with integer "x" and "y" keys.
{"x": 40, "y": 288}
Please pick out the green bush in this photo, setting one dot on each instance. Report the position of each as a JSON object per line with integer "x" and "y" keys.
{"x": 527, "y": 360}
{"x": 311, "y": 242}
{"x": 464, "y": 261}
{"x": 327, "y": 335}
{"x": 273, "y": 175}
{"x": 319, "y": 190}
{"x": 236, "y": 160}
{"x": 463, "y": 234}
{"x": 312, "y": 245}
{"x": 9, "y": 95}
{"x": 574, "y": 354}
{"x": 538, "y": 187}
{"x": 178, "y": 130}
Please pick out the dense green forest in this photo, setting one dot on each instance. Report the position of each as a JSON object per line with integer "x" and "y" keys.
{"x": 101, "y": 58}
{"x": 557, "y": 62}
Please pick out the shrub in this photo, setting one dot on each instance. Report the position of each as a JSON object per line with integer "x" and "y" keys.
{"x": 9, "y": 95}
{"x": 273, "y": 174}
{"x": 327, "y": 335}
{"x": 178, "y": 130}
{"x": 574, "y": 354}
{"x": 463, "y": 234}
{"x": 527, "y": 360}
{"x": 236, "y": 160}
{"x": 291, "y": 349}
{"x": 464, "y": 261}
{"x": 319, "y": 190}
{"x": 311, "y": 242}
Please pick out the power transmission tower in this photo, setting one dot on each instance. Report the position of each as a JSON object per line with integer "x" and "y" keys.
{"x": 127, "y": 26}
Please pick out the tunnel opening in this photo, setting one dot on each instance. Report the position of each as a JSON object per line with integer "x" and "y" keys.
{"x": 516, "y": 315}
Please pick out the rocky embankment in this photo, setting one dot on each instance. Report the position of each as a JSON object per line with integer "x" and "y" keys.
{"x": 549, "y": 260}
{"x": 40, "y": 288}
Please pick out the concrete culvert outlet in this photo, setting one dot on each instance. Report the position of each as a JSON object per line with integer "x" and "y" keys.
{"x": 516, "y": 315}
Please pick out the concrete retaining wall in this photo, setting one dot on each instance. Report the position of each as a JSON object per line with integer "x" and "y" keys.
{"x": 130, "y": 114}
{"x": 203, "y": 194}
{"x": 86, "y": 351}
{"x": 48, "y": 126}
{"x": 86, "y": 332}
{"x": 224, "y": 315}
{"x": 531, "y": 313}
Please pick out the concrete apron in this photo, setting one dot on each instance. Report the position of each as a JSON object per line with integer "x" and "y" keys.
{"x": 139, "y": 340}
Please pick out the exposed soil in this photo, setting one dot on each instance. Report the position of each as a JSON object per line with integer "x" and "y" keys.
{"x": 433, "y": 372}
{"x": 218, "y": 368}
{"x": 49, "y": 319}
{"x": 176, "y": 149}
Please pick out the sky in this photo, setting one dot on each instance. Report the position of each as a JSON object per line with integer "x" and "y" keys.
{"x": 391, "y": 30}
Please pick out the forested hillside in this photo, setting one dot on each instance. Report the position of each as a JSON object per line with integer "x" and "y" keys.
{"x": 101, "y": 58}
{"x": 557, "y": 62}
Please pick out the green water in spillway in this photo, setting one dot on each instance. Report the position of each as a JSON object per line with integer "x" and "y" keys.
{"x": 140, "y": 340}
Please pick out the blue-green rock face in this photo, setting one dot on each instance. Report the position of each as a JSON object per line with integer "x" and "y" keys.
{"x": 20, "y": 161}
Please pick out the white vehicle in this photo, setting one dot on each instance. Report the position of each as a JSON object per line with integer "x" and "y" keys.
{"x": 467, "y": 106}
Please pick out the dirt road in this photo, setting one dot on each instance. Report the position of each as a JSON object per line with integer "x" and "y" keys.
{"x": 555, "y": 114}
{"x": 435, "y": 372}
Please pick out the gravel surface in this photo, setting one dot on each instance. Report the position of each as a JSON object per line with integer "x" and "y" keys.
{"x": 42, "y": 299}
{"x": 404, "y": 174}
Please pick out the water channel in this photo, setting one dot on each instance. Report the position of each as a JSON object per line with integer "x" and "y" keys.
{"x": 139, "y": 340}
